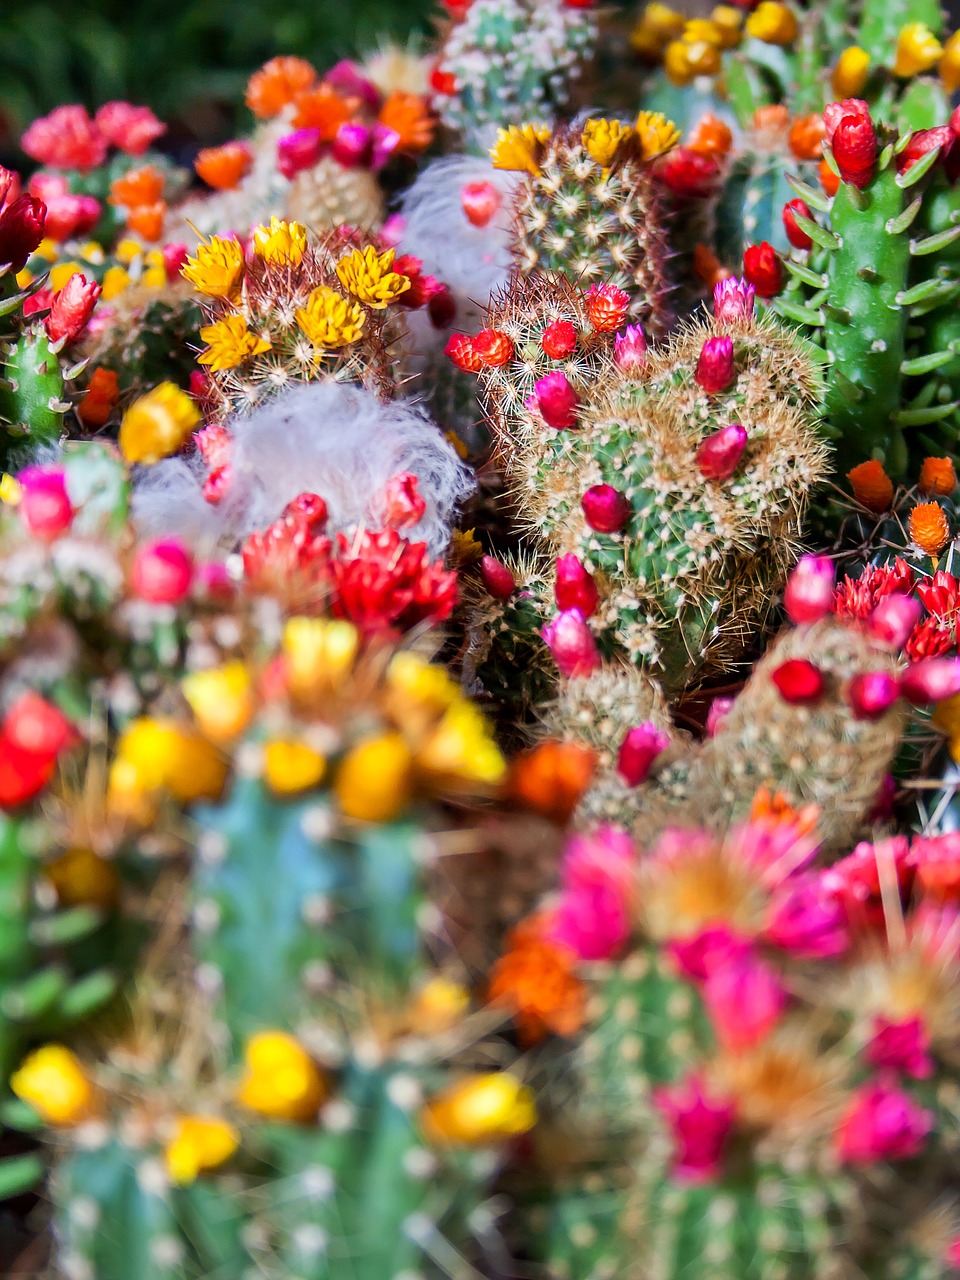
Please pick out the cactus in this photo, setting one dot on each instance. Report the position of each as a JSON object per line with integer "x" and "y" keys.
{"x": 330, "y": 195}
{"x": 146, "y": 326}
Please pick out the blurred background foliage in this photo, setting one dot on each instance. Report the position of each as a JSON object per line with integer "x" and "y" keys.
{"x": 187, "y": 59}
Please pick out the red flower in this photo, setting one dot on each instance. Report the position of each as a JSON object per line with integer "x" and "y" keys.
{"x": 479, "y": 201}
{"x": 461, "y": 351}
{"x": 69, "y": 215}
{"x": 401, "y": 502}
{"x": 23, "y": 774}
{"x": 761, "y": 267}
{"x": 575, "y": 587}
{"x": 924, "y": 140}
{"x": 130, "y": 128}
{"x": 422, "y": 288}
{"x": 72, "y": 308}
{"x": 559, "y": 340}
{"x": 940, "y": 595}
{"x": 857, "y": 598}
{"x": 607, "y": 307}
{"x": 35, "y": 725}
{"x": 929, "y": 639}
{"x": 689, "y": 173}
{"x": 291, "y": 552}
{"x": 853, "y": 139}
{"x": 66, "y": 139}
{"x": 443, "y": 82}
{"x": 21, "y": 229}
{"x": 492, "y": 348}
{"x": 383, "y": 581}
{"x": 798, "y": 682}
{"x": 798, "y": 238}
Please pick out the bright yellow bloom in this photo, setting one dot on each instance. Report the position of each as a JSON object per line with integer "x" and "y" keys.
{"x": 950, "y": 64}
{"x": 128, "y": 250}
{"x": 729, "y": 22}
{"x": 81, "y": 878}
{"x": 61, "y": 273}
{"x": 217, "y": 268}
{"x": 486, "y": 1107}
{"x": 773, "y": 23}
{"x": 657, "y": 134}
{"x": 157, "y": 424}
{"x": 367, "y": 275}
{"x": 851, "y": 72}
{"x": 155, "y": 277}
{"x": 52, "y": 1080}
{"x": 199, "y": 1143}
{"x": 601, "y": 138}
{"x": 115, "y": 280}
{"x": 281, "y": 1080}
{"x": 229, "y": 343}
{"x": 11, "y": 490}
{"x": 438, "y": 1005}
{"x": 918, "y": 49}
{"x": 460, "y": 749}
{"x": 518, "y": 148}
{"x": 319, "y": 652}
{"x": 657, "y": 25}
{"x": 160, "y": 754}
{"x": 221, "y": 698}
{"x": 677, "y": 64}
{"x": 329, "y": 320}
{"x": 280, "y": 243}
{"x": 290, "y": 766}
{"x": 375, "y": 781}
{"x": 696, "y": 30}
{"x": 424, "y": 684}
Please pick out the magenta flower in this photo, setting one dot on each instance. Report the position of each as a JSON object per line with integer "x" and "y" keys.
{"x": 733, "y": 300}
{"x": 810, "y": 589}
{"x": 901, "y": 1046}
{"x": 45, "y": 507}
{"x": 605, "y": 509}
{"x": 700, "y": 1127}
{"x": 298, "y": 150}
{"x": 806, "y": 921}
{"x": 931, "y": 680}
{"x": 720, "y": 708}
{"x": 592, "y": 919}
{"x": 872, "y": 693}
{"x": 882, "y": 1123}
{"x": 715, "y": 369}
{"x": 557, "y": 401}
{"x": 712, "y": 948}
{"x": 353, "y": 145}
{"x": 744, "y": 1001}
{"x": 630, "y": 350}
{"x": 638, "y": 751}
{"x": 571, "y": 642}
{"x": 894, "y": 618}
{"x": 575, "y": 588}
{"x": 162, "y": 571}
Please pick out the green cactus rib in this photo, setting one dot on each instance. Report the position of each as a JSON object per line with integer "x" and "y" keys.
{"x": 16, "y": 950}
{"x": 31, "y": 399}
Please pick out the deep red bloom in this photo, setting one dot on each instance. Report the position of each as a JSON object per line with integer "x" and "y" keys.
{"x": 23, "y": 774}
{"x": 492, "y": 348}
{"x": 422, "y": 288}
{"x": 798, "y": 682}
{"x": 931, "y": 638}
{"x": 460, "y": 350}
{"x": 607, "y": 307}
{"x": 443, "y": 82}
{"x": 797, "y": 237}
{"x": 924, "y": 140}
{"x": 21, "y": 229}
{"x": 72, "y": 308}
{"x": 688, "y": 173}
{"x": 940, "y": 595}
{"x": 853, "y": 140}
{"x": 66, "y": 139}
{"x": 383, "y": 581}
{"x": 715, "y": 368}
{"x": 559, "y": 339}
{"x": 761, "y": 267}
{"x": 858, "y": 597}
{"x": 130, "y": 128}
{"x": 442, "y": 308}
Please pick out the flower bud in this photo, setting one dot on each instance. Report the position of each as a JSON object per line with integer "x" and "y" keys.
{"x": 607, "y": 307}
{"x": 559, "y": 340}
{"x": 174, "y": 259}
{"x": 762, "y": 268}
{"x": 482, "y": 1108}
{"x": 480, "y": 201}
{"x": 69, "y": 215}
{"x": 45, "y": 507}
{"x": 931, "y": 680}
{"x": 720, "y": 708}
{"x": 21, "y": 229}
{"x": 605, "y": 509}
{"x": 733, "y": 300}
{"x": 871, "y": 694}
{"x": 851, "y": 73}
{"x": 853, "y": 139}
{"x": 638, "y": 751}
{"x": 893, "y": 620}
{"x": 719, "y": 455}
{"x": 798, "y": 682}
{"x": 162, "y": 571}
{"x": 557, "y": 401}
{"x": 715, "y": 370}
{"x": 497, "y": 578}
{"x": 571, "y": 642}
{"x": 352, "y": 145}
{"x": 492, "y": 348}
{"x": 298, "y": 151}
{"x": 575, "y": 588}
{"x": 797, "y": 237}
{"x": 808, "y": 596}
{"x": 773, "y": 23}
{"x": 72, "y": 308}
{"x": 630, "y": 350}
{"x": 918, "y": 50}
{"x": 460, "y": 350}
{"x": 52, "y": 1080}
{"x": 923, "y": 140}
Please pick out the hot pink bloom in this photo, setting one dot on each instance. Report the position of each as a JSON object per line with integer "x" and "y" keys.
{"x": 605, "y": 509}
{"x": 130, "y": 128}
{"x": 700, "y": 1127}
{"x": 698, "y": 956}
{"x": 882, "y": 1123}
{"x": 557, "y": 401}
{"x": 353, "y": 145}
{"x": 854, "y": 881}
{"x": 69, "y": 215}
{"x": 733, "y": 300}
{"x": 174, "y": 258}
{"x": 630, "y": 350}
{"x": 809, "y": 593}
{"x": 931, "y": 680}
{"x": 806, "y": 921}
{"x": 893, "y": 619}
{"x": 298, "y": 150}
{"x": 718, "y": 456}
{"x": 715, "y": 368}
{"x": 45, "y": 507}
{"x": 592, "y": 918}
{"x": 66, "y": 139}
{"x": 345, "y": 77}
{"x": 401, "y": 502}
{"x": 574, "y": 587}
{"x": 638, "y": 751}
{"x": 162, "y": 571}
{"x": 872, "y": 693}
{"x": 744, "y": 1001}
{"x": 571, "y": 642}
{"x": 71, "y": 309}
{"x": 901, "y": 1046}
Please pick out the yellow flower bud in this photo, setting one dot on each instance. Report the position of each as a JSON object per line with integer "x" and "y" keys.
{"x": 128, "y": 250}
{"x": 918, "y": 49}
{"x": 657, "y": 134}
{"x": 482, "y": 1108}
{"x": 702, "y": 29}
{"x": 11, "y": 490}
{"x": 115, "y": 281}
{"x": 319, "y": 652}
{"x": 155, "y": 278}
{"x": 160, "y": 754}
{"x": 773, "y": 23}
{"x": 851, "y": 72}
{"x": 658, "y": 24}
{"x": 281, "y": 242}
{"x": 157, "y": 424}
{"x": 677, "y": 65}
{"x": 61, "y": 273}
{"x": 702, "y": 59}
{"x": 281, "y": 1079}
{"x": 81, "y": 878}
{"x": 290, "y": 767}
{"x": 199, "y": 1143}
{"x": 517, "y": 149}
{"x": 437, "y": 1006}
{"x": 415, "y": 680}
{"x": 601, "y": 138}
{"x": 950, "y": 64}
{"x": 375, "y": 781}
{"x": 52, "y": 1080}
{"x": 221, "y": 698}
{"x": 460, "y": 749}
{"x": 729, "y": 22}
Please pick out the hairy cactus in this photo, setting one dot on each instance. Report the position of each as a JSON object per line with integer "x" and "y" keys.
{"x": 329, "y": 195}
{"x": 142, "y": 327}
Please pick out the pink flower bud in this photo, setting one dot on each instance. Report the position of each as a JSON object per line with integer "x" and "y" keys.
{"x": 931, "y": 680}
{"x": 630, "y": 350}
{"x": 744, "y": 1001}
{"x": 882, "y": 1123}
{"x": 575, "y": 588}
{"x": 384, "y": 144}
{"x": 719, "y": 710}
{"x": 699, "y": 1125}
{"x": 798, "y": 682}
{"x": 810, "y": 589}
{"x": 72, "y": 308}
{"x": 872, "y": 693}
{"x": 401, "y": 501}
{"x": 45, "y": 507}
{"x": 480, "y": 202}
{"x": 298, "y": 150}
{"x": 733, "y": 300}
{"x": 352, "y": 145}
{"x": 557, "y": 401}
{"x": 698, "y": 956}
{"x": 571, "y": 642}
{"x": 719, "y": 455}
{"x": 638, "y": 751}
{"x": 162, "y": 571}
{"x": 715, "y": 369}
{"x": 901, "y": 1046}
{"x": 497, "y": 578}
{"x": 174, "y": 257}
{"x": 346, "y": 78}
{"x": 894, "y": 619}
{"x": 213, "y": 580}
{"x": 605, "y": 509}
{"x": 70, "y": 215}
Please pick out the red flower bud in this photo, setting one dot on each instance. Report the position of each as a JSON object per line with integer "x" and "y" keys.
{"x": 607, "y": 307}
{"x": 689, "y": 174}
{"x": 557, "y": 401}
{"x": 715, "y": 370}
{"x": 492, "y": 348}
{"x": 460, "y": 350}
{"x": 893, "y": 619}
{"x": 575, "y": 588}
{"x": 21, "y": 230}
{"x": 45, "y": 507}
{"x": 571, "y": 642}
{"x": 605, "y": 509}
{"x": 497, "y": 578}
{"x": 559, "y": 340}
{"x": 762, "y": 268}
{"x": 69, "y": 215}
{"x": 33, "y": 724}
{"x": 931, "y": 680}
{"x": 872, "y": 694}
{"x": 480, "y": 202}
{"x": 808, "y": 596}
{"x": 798, "y": 682}
{"x": 72, "y": 308}
{"x": 638, "y": 751}
{"x": 853, "y": 139}
{"x": 400, "y": 501}
{"x": 162, "y": 571}
{"x": 799, "y": 239}
{"x": 443, "y": 82}
{"x": 924, "y": 140}
{"x": 442, "y": 308}
{"x": 23, "y": 774}
{"x": 719, "y": 455}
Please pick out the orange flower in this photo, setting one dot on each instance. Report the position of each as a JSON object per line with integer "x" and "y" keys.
{"x": 828, "y": 179}
{"x": 276, "y": 85}
{"x": 871, "y": 485}
{"x": 95, "y": 408}
{"x": 774, "y": 809}
{"x": 937, "y": 476}
{"x": 147, "y": 220}
{"x": 552, "y": 777}
{"x": 223, "y": 167}
{"x": 408, "y": 115}
{"x": 708, "y": 267}
{"x": 535, "y": 980}
{"x": 772, "y": 123}
{"x": 928, "y": 527}
{"x": 322, "y": 108}
{"x": 137, "y": 187}
{"x": 711, "y": 137}
{"x": 806, "y": 136}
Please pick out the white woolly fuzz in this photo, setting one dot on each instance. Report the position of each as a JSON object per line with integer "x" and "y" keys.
{"x": 332, "y": 439}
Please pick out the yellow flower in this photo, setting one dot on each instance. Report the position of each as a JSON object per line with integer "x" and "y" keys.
{"x": 81, "y": 878}
{"x": 657, "y": 134}
{"x": 367, "y": 275}
{"x": 281, "y": 1080}
{"x": 217, "y": 268}
{"x": 658, "y": 24}
{"x": 157, "y": 424}
{"x": 221, "y": 698}
{"x": 199, "y": 1143}
{"x": 518, "y": 148}
{"x": 696, "y": 30}
{"x": 61, "y": 273}
{"x": 280, "y": 243}
{"x": 946, "y": 716}
{"x": 290, "y": 766}
{"x": 229, "y": 342}
{"x": 425, "y": 684}
{"x": 128, "y": 250}
{"x": 851, "y": 72}
{"x": 329, "y": 320}
{"x": 950, "y": 64}
{"x": 160, "y": 754}
{"x": 486, "y": 1107}
{"x": 677, "y": 64}
{"x": 115, "y": 280}
{"x": 729, "y": 22}
{"x": 155, "y": 277}
{"x": 773, "y": 23}
{"x": 375, "y": 781}
{"x": 52, "y": 1080}
{"x": 918, "y": 49}
{"x": 601, "y": 138}
{"x": 11, "y": 490}
{"x": 319, "y": 652}
{"x": 438, "y": 1005}
{"x": 126, "y": 796}
{"x": 460, "y": 749}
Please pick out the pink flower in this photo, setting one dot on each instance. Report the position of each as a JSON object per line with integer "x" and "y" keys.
{"x": 712, "y": 948}
{"x": 720, "y": 708}
{"x": 718, "y": 456}
{"x": 810, "y": 590}
{"x": 571, "y": 642}
{"x": 298, "y": 150}
{"x": 45, "y": 507}
{"x": 215, "y": 445}
{"x": 744, "y": 1001}
{"x": 806, "y": 921}
{"x": 638, "y": 751}
{"x": 931, "y": 680}
{"x": 130, "y": 128}
{"x": 854, "y": 881}
{"x": 630, "y": 350}
{"x": 353, "y": 145}
{"x": 70, "y": 215}
{"x": 733, "y": 300}
{"x": 893, "y": 619}
{"x": 345, "y": 77}
{"x": 480, "y": 201}
{"x": 575, "y": 588}
{"x": 871, "y": 694}
{"x": 592, "y": 918}
{"x": 882, "y": 1123}
{"x": 798, "y": 682}
{"x": 162, "y": 571}
{"x": 715, "y": 369}
{"x": 71, "y": 309}
{"x": 700, "y": 1127}
{"x": 401, "y": 502}
{"x": 901, "y": 1046}
{"x": 497, "y": 578}
{"x": 174, "y": 258}
{"x": 605, "y": 509}
{"x": 557, "y": 401}
{"x": 66, "y": 139}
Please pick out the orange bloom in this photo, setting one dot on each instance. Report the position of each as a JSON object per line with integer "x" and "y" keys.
{"x": 708, "y": 267}
{"x": 147, "y": 220}
{"x": 535, "y": 980}
{"x": 871, "y": 485}
{"x": 408, "y": 115}
{"x": 552, "y": 777}
{"x": 771, "y": 124}
{"x": 774, "y": 809}
{"x": 276, "y": 85}
{"x": 136, "y": 187}
{"x": 223, "y": 167}
{"x": 828, "y": 179}
{"x": 806, "y": 136}
{"x": 322, "y": 108}
{"x": 711, "y": 137}
{"x": 95, "y": 408}
{"x": 929, "y": 528}
{"x": 937, "y": 476}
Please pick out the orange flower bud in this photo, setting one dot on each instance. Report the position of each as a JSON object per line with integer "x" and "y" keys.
{"x": 929, "y": 528}
{"x": 871, "y": 485}
{"x": 224, "y": 167}
{"x": 937, "y": 477}
{"x": 552, "y": 777}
